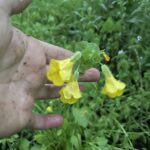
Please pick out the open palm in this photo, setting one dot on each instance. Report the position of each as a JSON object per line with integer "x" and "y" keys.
{"x": 23, "y": 65}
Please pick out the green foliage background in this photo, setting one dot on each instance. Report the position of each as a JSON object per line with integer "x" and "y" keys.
{"x": 122, "y": 28}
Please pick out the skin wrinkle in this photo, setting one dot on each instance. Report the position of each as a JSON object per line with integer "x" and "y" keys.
{"x": 17, "y": 51}
{"x": 14, "y": 53}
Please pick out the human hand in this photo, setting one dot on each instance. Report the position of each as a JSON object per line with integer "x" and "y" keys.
{"x": 23, "y": 66}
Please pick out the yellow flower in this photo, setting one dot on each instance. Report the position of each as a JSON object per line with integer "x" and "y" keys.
{"x": 70, "y": 93}
{"x": 60, "y": 71}
{"x": 107, "y": 58}
{"x": 112, "y": 87}
{"x": 49, "y": 109}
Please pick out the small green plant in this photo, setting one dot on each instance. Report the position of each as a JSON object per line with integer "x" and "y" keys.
{"x": 96, "y": 122}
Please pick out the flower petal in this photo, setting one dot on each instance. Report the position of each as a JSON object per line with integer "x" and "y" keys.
{"x": 113, "y": 87}
{"x": 70, "y": 93}
{"x": 60, "y": 71}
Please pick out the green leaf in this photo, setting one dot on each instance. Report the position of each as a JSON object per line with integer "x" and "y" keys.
{"x": 108, "y": 25}
{"x": 80, "y": 117}
{"x": 75, "y": 141}
{"x": 90, "y": 54}
{"x": 101, "y": 141}
{"x": 24, "y": 144}
{"x": 36, "y": 147}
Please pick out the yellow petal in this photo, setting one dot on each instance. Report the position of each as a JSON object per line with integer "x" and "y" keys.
{"x": 60, "y": 71}
{"x": 76, "y": 90}
{"x": 53, "y": 69}
{"x": 69, "y": 101}
{"x": 49, "y": 109}
{"x": 120, "y": 92}
{"x": 113, "y": 87}
{"x": 70, "y": 93}
{"x": 72, "y": 101}
{"x": 120, "y": 85}
{"x": 107, "y": 58}
{"x": 66, "y": 92}
{"x": 66, "y": 69}
{"x": 56, "y": 79}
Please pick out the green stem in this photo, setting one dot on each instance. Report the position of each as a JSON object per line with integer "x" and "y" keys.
{"x": 106, "y": 71}
{"x": 76, "y": 75}
{"x": 140, "y": 68}
{"x": 125, "y": 133}
{"x": 76, "y": 56}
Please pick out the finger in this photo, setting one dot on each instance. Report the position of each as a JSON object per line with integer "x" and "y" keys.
{"x": 48, "y": 91}
{"x": 90, "y": 75}
{"x": 45, "y": 121}
{"x": 55, "y": 52}
{"x": 51, "y": 91}
{"x": 20, "y": 6}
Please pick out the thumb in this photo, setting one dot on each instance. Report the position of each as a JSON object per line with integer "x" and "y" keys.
{"x": 45, "y": 121}
{"x": 20, "y": 6}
